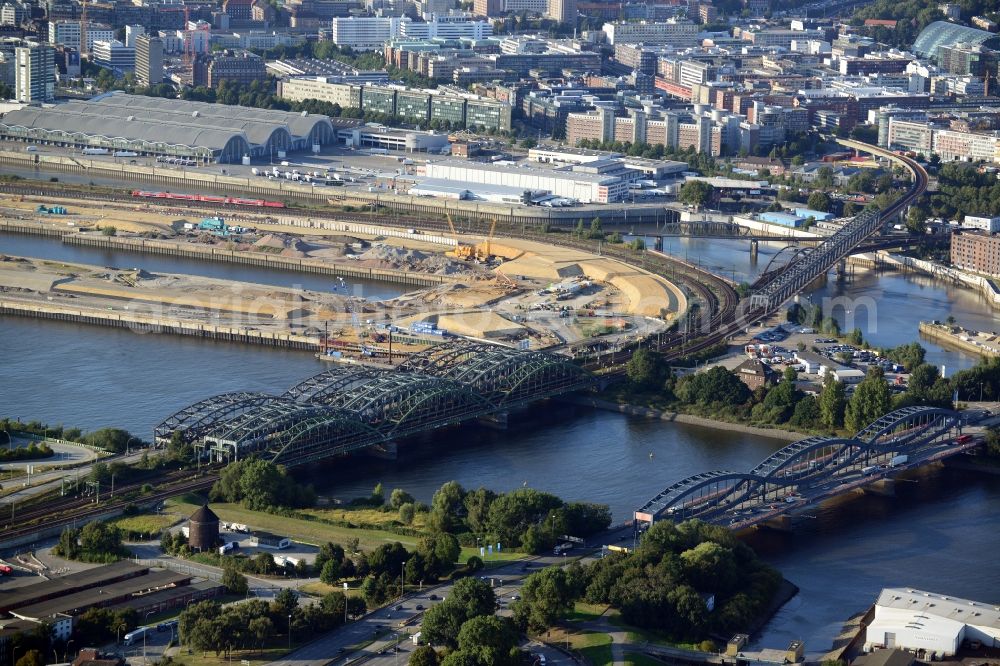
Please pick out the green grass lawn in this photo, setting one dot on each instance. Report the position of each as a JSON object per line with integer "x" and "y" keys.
{"x": 583, "y": 611}
{"x": 147, "y": 523}
{"x": 594, "y": 646}
{"x": 316, "y": 532}
{"x": 255, "y": 657}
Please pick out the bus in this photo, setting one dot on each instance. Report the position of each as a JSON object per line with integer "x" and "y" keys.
{"x": 135, "y": 636}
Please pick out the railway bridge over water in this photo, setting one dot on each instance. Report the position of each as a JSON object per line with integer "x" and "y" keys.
{"x": 351, "y": 407}
{"x": 815, "y": 469}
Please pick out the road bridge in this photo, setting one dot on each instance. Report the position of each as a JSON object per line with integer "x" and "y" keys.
{"x": 812, "y": 470}
{"x": 350, "y": 408}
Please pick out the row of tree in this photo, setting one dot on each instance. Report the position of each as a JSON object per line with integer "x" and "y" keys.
{"x": 114, "y": 440}
{"x": 524, "y": 518}
{"x": 96, "y": 541}
{"x": 664, "y": 585}
{"x": 718, "y": 392}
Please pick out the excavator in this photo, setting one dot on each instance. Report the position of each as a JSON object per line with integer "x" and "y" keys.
{"x": 462, "y": 251}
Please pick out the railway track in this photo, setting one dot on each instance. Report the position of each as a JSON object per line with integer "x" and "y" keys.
{"x": 59, "y": 514}
{"x": 717, "y": 297}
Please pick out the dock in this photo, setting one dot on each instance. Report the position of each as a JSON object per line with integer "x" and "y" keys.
{"x": 986, "y": 344}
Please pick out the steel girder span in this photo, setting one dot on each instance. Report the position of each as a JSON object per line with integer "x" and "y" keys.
{"x": 394, "y": 403}
{"x": 284, "y": 429}
{"x": 814, "y": 463}
{"x": 192, "y": 421}
{"x": 507, "y": 377}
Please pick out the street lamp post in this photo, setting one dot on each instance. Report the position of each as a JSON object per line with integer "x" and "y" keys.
{"x": 145, "y": 622}
{"x": 289, "y": 631}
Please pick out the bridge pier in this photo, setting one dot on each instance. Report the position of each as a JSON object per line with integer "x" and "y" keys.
{"x": 882, "y": 487}
{"x": 658, "y": 243}
{"x": 754, "y": 248}
{"x": 782, "y": 523}
{"x": 497, "y": 420}
{"x": 385, "y": 451}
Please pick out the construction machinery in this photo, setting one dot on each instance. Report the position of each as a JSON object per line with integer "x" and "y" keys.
{"x": 462, "y": 251}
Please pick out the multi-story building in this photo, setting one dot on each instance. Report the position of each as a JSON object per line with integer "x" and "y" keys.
{"x": 976, "y": 251}
{"x": 67, "y": 33}
{"x": 951, "y": 145}
{"x": 635, "y": 57}
{"x": 114, "y": 55}
{"x": 676, "y": 32}
{"x": 13, "y": 13}
{"x": 364, "y": 33}
{"x": 243, "y": 68}
{"x": 445, "y": 27}
{"x": 965, "y": 59}
{"x": 318, "y": 88}
{"x": 35, "y": 73}
{"x": 564, "y": 11}
{"x": 769, "y": 37}
{"x": 149, "y": 60}
{"x": 585, "y": 183}
{"x": 488, "y": 8}
{"x": 521, "y": 64}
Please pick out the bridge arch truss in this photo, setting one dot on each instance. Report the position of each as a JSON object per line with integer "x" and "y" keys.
{"x": 810, "y": 465}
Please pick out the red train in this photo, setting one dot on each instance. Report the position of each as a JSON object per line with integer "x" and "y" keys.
{"x": 208, "y": 198}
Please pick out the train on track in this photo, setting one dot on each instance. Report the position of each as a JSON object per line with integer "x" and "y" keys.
{"x": 208, "y": 198}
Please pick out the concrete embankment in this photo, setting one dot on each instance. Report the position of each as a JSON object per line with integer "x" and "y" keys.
{"x": 72, "y": 236}
{"x": 636, "y": 410}
{"x": 958, "y": 338}
{"x": 140, "y": 323}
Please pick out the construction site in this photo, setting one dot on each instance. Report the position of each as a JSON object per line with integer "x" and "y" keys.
{"x": 516, "y": 292}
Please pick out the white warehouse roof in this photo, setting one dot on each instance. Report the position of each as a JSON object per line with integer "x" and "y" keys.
{"x": 917, "y": 620}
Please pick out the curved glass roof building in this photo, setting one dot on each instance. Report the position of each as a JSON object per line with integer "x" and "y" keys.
{"x": 944, "y": 33}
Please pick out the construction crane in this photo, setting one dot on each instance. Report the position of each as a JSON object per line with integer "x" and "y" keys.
{"x": 483, "y": 253}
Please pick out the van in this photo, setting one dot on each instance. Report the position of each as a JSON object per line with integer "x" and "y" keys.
{"x": 32, "y": 149}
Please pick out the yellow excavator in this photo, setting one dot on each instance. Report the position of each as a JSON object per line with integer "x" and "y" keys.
{"x": 483, "y": 253}
{"x": 462, "y": 251}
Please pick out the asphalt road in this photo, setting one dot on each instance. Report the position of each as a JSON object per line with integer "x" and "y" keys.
{"x": 384, "y": 625}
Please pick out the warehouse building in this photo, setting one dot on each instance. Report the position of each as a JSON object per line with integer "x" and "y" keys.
{"x": 587, "y": 187}
{"x": 935, "y": 624}
{"x": 167, "y": 127}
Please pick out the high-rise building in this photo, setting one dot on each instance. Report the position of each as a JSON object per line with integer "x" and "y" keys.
{"x": 563, "y": 11}
{"x": 149, "y": 60}
{"x": 35, "y": 73}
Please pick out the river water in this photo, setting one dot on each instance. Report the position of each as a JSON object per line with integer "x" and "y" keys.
{"x": 938, "y": 534}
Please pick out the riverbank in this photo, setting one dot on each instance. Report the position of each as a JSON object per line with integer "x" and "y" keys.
{"x": 678, "y": 417}
{"x": 956, "y": 337}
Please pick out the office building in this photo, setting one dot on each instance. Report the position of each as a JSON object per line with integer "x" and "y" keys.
{"x": 149, "y": 60}
{"x": 243, "y": 68}
{"x": 67, "y": 33}
{"x": 564, "y": 11}
{"x": 675, "y": 32}
{"x": 113, "y": 55}
{"x": 363, "y": 33}
{"x": 35, "y": 73}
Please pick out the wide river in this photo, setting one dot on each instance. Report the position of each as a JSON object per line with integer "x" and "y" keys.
{"x": 938, "y": 534}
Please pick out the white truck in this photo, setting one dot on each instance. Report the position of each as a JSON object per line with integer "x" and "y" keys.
{"x": 901, "y": 459}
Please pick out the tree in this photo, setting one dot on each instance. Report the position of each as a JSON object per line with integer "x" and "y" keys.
{"x": 818, "y": 201}
{"x": 406, "y": 513}
{"x": 378, "y": 495}
{"x": 871, "y": 400}
{"x": 424, "y": 656}
{"x": 645, "y": 369}
{"x": 695, "y": 193}
{"x": 399, "y": 497}
{"x": 909, "y": 355}
{"x": 31, "y": 658}
{"x": 234, "y": 581}
{"x": 489, "y": 640}
{"x": 330, "y": 573}
{"x": 447, "y": 508}
{"x": 109, "y": 231}
{"x": 824, "y": 177}
{"x": 832, "y": 400}
{"x": 546, "y": 597}
{"x": 440, "y": 552}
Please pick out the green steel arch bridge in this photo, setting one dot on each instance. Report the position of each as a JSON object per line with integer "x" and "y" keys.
{"x": 812, "y": 470}
{"x": 351, "y": 408}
